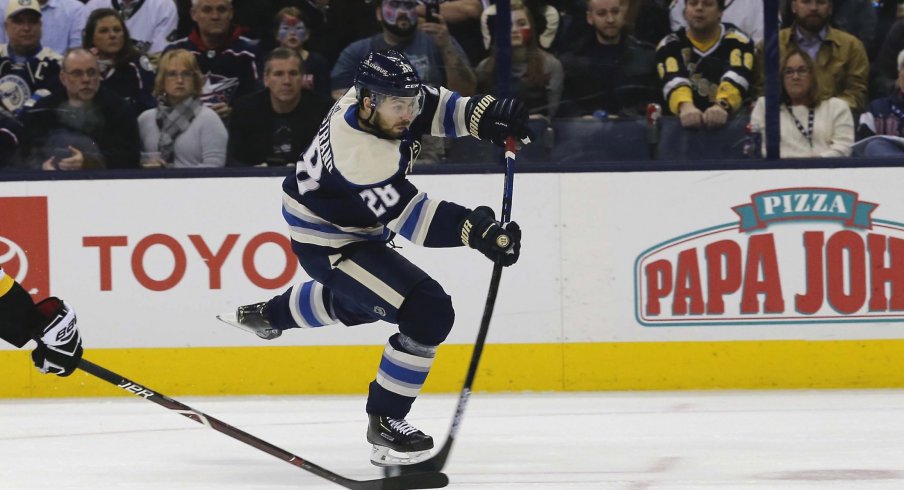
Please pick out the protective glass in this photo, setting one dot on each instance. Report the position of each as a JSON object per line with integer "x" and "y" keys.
{"x": 398, "y": 107}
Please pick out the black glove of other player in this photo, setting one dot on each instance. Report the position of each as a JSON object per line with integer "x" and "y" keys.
{"x": 59, "y": 343}
{"x": 496, "y": 119}
{"x": 480, "y": 230}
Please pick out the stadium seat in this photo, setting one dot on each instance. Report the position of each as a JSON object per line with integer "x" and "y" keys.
{"x": 678, "y": 143}
{"x": 591, "y": 140}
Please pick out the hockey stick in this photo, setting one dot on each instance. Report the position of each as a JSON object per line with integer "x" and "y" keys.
{"x": 421, "y": 480}
{"x": 438, "y": 461}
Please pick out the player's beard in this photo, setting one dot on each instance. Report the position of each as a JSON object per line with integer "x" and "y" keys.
{"x": 395, "y": 132}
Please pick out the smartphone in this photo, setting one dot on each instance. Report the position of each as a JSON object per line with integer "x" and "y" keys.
{"x": 432, "y": 9}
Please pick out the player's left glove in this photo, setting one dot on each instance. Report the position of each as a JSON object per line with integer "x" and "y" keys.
{"x": 495, "y": 119}
{"x": 480, "y": 230}
{"x": 59, "y": 342}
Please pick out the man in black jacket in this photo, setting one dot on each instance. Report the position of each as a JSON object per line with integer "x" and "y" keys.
{"x": 84, "y": 127}
{"x": 273, "y": 126}
{"x": 609, "y": 70}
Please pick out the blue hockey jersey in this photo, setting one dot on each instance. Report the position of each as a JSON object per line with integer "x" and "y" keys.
{"x": 24, "y": 81}
{"x": 350, "y": 185}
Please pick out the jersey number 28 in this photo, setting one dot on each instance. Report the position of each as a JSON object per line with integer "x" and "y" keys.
{"x": 380, "y": 198}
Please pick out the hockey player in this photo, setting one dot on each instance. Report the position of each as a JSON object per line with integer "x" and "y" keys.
{"x": 51, "y": 323}
{"x": 347, "y": 200}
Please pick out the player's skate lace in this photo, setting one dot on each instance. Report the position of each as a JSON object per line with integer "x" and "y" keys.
{"x": 402, "y": 426}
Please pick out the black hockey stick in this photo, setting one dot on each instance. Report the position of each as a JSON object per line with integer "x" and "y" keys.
{"x": 420, "y": 480}
{"x": 438, "y": 461}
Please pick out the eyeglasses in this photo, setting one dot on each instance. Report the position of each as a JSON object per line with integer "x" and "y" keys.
{"x": 185, "y": 74}
{"x": 801, "y": 71}
{"x": 89, "y": 73}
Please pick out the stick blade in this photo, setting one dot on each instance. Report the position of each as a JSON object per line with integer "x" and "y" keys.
{"x": 433, "y": 479}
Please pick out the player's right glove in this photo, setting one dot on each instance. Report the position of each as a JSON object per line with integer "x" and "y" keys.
{"x": 59, "y": 342}
{"x": 480, "y": 230}
{"x": 495, "y": 119}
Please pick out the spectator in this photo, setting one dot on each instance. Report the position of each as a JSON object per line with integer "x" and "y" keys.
{"x": 746, "y": 15}
{"x": 334, "y": 25}
{"x": 436, "y": 56}
{"x": 856, "y": 17}
{"x": 645, "y": 20}
{"x": 609, "y": 69}
{"x": 537, "y": 75}
{"x": 83, "y": 127}
{"x": 181, "y": 132}
{"x": 290, "y": 29}
{"x": 28, "y": 71}
{"x": 150, "y": 22}
{"x": 124, "y": 70}
{"x": 706, "y": 67}
{"x": 275, "y": 125}
{"x": 227, "y": 60}
{"x": 546, "y": 17}
{"x": 62, "y": 21}
{"x": 841, "y": 63}
{"x": 884, "y": 117}
{"x": 884, "y": 70}
{"x": 811, "y": 126}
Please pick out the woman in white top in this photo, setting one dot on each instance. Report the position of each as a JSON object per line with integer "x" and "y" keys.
{"x": 181, "y": 132}
{"x": 809, "y": 127}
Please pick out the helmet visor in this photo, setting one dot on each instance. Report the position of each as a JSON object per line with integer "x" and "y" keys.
{"x": 397, "y": 107}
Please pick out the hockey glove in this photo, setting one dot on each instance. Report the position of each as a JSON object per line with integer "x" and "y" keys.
{"x": 480, "y": 230}
{"x": 59, "y": 343}
{"x": 496, "y": 119}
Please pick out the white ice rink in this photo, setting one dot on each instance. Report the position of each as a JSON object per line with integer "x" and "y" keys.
{"x": 626, "y": 441}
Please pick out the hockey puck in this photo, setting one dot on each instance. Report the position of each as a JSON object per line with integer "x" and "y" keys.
{"x": 503, "y": 241}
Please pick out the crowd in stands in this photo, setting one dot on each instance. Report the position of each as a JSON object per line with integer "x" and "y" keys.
{"x": 89, "y": 84}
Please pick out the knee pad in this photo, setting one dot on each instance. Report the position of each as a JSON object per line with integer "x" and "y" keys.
{"x": 426, "y": 315}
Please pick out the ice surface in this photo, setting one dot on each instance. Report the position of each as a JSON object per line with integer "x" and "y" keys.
{"x": 625, "y": 441}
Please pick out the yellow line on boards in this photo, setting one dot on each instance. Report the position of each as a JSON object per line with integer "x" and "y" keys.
{"x": 321, "y": 370}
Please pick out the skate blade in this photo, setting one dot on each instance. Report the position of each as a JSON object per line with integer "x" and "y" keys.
{"x": 230, "y": 319}
{"x": 384, "y": 457}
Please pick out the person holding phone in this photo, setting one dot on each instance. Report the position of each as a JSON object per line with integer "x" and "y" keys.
{"x": 437, "y": 57}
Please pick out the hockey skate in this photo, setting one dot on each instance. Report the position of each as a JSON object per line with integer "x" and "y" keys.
{"x": 396, "y": 442}
{"x": 253, "y": 319}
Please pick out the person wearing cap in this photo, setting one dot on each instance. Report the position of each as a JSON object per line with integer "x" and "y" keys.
{"x": 884, "y": 117}
{"x": 62, "y": 20}
{"x": 28, "y": 70}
